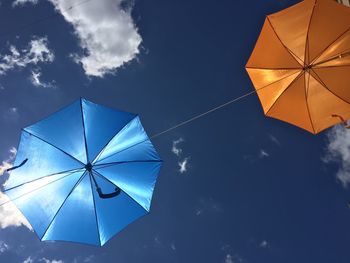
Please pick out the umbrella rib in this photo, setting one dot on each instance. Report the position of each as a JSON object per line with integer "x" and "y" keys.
{"x": 104, "y": 147}
{"x": 307, "y": 102}
{"x": 119, "y": 188}
{"x": 297, "y": 77}
{"x": 33, "y": 190}
{"x": 84, "y": 132}
{"x": 287, "y": 49}
{"x": 325, "y": 86}
{"x": 307, "y": 34}
{"x": 53, "y": 146}
{"x": 274, "y": 68}
{"x": 45, "y": 176}
{"x": 95, "y": 209}
{"x": 104, "y": 165}
{"x": 325, "y": 49}
{"x": 124, "y": 149}
{"x": 64, "y": 201}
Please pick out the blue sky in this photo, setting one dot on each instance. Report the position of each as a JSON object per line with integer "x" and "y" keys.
{"x": 235, "y": 187}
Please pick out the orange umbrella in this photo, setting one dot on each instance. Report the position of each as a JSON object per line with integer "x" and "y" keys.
{"x": 300, "y": 66}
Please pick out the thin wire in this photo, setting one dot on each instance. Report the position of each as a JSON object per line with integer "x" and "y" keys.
{"x": 204, "y": 114}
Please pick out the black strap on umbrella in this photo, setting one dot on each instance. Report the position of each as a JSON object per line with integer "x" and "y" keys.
{"x": 344, "y": 122}
{"x": 17, "y": 166}
{"x": 102, "y": 195}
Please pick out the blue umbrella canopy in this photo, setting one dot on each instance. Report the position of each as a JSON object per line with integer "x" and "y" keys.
{"x": 84, "y": 173}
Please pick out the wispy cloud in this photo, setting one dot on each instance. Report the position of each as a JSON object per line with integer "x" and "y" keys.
{"x": 207, "y": 205}
{"x": 37, "y": 51}
{"x": 274, "y": 139}
{"x": 233, "y": 259}
{"x": 263, "y": 154}
{"x": 35, "y": 79}
{"x": 176, "y": 148}
{"x": 108, "y": 43}
{"x": 6, "y": 164}
{"x": 23, "y": 2}
{"x": 3, "y": 247}
{"x": 28, "y": 260}
{"x": 10, "y": 216}
{"x": 45, "y": 260}
{"x": 338, "y": 151}
{"x": 183, "y": 165}
{"x": 264, "y": 244}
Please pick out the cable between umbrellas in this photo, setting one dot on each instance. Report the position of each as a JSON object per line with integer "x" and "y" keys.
{"x": 205, "y": 113}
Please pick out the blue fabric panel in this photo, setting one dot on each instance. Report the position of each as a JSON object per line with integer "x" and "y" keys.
{"x": 39, "y": 201}
{"x": 115, "y": 213}
{"x": 64, "y": 129}
{"x": 137, "y": 179}
{"x": 76, "y": 220}
{"x": 140, "y": 152}
{"x": 43, "y": 160}
{"x": 101, "y": 124}
{"x": 132, "y": 134}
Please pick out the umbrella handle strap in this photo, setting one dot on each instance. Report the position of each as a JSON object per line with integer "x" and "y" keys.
{"x": 110, "y": 195}
{"x": 18, "y": 166}
{"x": 344, "y": 122}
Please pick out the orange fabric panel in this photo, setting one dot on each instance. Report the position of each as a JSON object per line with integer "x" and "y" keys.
{"x": 336, "y": 79}
{"x": 291, "y": 26}
{"x": 269, "y": 53}
{"x": 264, "y": 77}
{"x": 339, "y": 47}
{"x": 329, "y": 21}
{"x": 269, "y": 94}
{"x": 291, "y": 106}
{"x": 322, "y": 104}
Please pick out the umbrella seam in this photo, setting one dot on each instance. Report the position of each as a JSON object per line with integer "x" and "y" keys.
{"x": 291, "y": 53}
{"x": 307, "y": 34}
{"x": 325, "y": 86}
{"x": 49, "y": 175}
{"x": 296, "y": 78}
{"x": 104, "y": 147}
{"x": 307, "y": 102}
{"x": 84, "y": 132}
{"x": 325, "y": 49}
{"x": 95, "y": 210}
{"x": 123, "y": 162}
{"x": 64, "y": 201}
{"x": 54, "y": 146}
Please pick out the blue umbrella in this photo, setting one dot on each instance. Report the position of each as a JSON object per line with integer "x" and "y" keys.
{"x": 84, "y": 173}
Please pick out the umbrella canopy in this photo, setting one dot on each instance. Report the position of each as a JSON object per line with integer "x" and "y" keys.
{"x": 89, "y": 171}
{"x": 300, "y": 66}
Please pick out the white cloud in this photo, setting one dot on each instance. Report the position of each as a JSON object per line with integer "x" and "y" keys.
{"x": 3, "y": 247}
{"x": 50, "y": 261}
{"x": 10, "y": 216}
{"x": 263, "y": 154}
{"x": 338, "y": 151}
{"x": 183, "y": 165}
{"x": 264, "y": 244}
{"x": 274, "y": 139}
{"x": 23, "y": 2}
{"x": 36, "y": 52}
{"x": 106, "y": 32}
{"x": 37, "y": 82}
{"x": 229, "y": 258}
{"x": 175, "y": 148}
{"x": 232, "y": 259}
{"x": 6, "y": 164}
{"x": 28, "y": 260}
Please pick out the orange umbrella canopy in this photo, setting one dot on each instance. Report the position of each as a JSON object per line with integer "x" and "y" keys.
{"x": 300, "y": 66}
